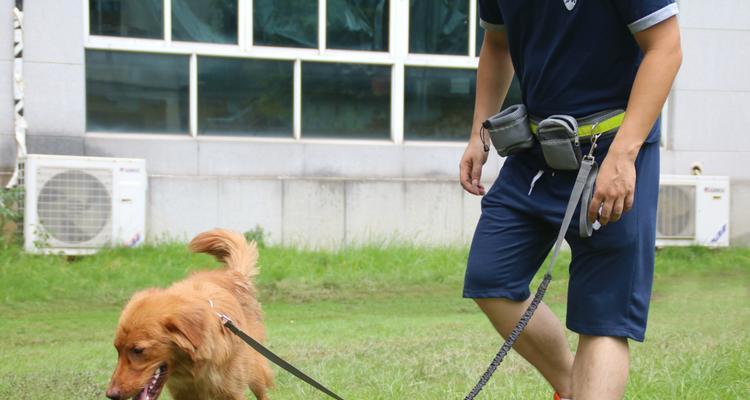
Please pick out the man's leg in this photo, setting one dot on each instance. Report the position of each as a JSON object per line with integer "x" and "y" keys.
{"x": 542, "y": 343}
{"x": 600, "y": 370}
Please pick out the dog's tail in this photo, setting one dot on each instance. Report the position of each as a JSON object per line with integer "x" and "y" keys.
{"x": 229, "y": 247}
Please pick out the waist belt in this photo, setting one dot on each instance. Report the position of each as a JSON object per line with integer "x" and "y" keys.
{"x": 596, "y": 124}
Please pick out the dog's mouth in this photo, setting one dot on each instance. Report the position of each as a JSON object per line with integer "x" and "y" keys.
{"x": 152, "y": 390}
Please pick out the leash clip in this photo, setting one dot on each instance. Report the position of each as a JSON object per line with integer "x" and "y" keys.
{"x": 594, "y": 138}
{"x": 223, "y": 317}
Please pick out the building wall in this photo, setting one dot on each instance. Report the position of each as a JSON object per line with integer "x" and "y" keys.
{"x": 332, "y": 192}
{"x": 709, "y": 100}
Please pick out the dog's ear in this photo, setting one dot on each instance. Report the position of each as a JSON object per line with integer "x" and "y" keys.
{"x": 186, "y": 329}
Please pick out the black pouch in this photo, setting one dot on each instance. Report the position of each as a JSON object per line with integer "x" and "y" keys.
{"x": 558, "y": 137}
{"x": 509, "y": 130}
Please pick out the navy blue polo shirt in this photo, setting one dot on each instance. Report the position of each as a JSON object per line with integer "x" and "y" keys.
{"x": 574, "y": 57}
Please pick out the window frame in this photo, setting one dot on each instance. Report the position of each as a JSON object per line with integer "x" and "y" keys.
{"x": 397, "y": 57}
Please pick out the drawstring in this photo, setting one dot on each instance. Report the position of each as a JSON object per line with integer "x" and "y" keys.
{"x": 534, "y": 179}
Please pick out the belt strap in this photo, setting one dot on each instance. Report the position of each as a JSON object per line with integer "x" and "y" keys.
{"x": 593, "y": 125}
{"x": 585, "y": 173}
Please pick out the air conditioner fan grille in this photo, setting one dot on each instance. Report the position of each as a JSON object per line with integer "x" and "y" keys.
{"x": 74, "y": 206}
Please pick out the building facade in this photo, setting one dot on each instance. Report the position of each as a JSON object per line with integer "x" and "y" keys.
{"x": 324, "y": 122}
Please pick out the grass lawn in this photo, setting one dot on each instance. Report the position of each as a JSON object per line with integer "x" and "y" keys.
{"x": 370, "y": 323}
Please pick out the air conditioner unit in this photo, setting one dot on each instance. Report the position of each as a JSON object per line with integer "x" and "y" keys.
{"x": 76, "y": 205}
{"x": 693, "y": 210}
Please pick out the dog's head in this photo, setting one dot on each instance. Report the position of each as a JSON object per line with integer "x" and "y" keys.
{"x": 157, "y": 334}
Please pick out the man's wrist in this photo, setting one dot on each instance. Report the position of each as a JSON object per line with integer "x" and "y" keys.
{"x": 625, "y": 147}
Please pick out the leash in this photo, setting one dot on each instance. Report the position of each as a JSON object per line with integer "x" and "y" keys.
{"x": 584, "y": 183}
{"x": 265, "y": 352}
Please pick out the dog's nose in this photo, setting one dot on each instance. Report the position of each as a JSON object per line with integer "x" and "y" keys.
{"x": 113, "y": 393}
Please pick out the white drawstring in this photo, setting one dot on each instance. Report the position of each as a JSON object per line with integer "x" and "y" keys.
{"x": 533, "y": 181}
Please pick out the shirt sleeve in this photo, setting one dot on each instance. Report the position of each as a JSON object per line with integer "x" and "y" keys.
{"x": 643, "y": 14}
{"x": 490, "y": 17}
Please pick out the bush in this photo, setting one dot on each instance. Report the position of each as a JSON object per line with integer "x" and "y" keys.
{"x": 11, "y": 215}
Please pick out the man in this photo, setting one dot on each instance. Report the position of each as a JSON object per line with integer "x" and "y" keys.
{"x": 573, "y": 57}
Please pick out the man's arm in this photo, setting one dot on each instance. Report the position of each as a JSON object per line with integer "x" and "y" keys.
{"x": 494, "y": 75}
{"x": 615, "y": 186}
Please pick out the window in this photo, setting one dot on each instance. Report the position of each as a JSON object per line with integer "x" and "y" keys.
{"x": 245, "y": 97}
{"x": 131, "y": 18}
{"x": 439, "y": 103}
{"x": 287, "y": 69}
{"x": 439, "y": 27}
{"x": 213, "y": 21}
{"x": 289, "y": 23}
{"x": 357, "y": 25}
{"x": 136, "y": 92}
{"x": 346, "y": 100}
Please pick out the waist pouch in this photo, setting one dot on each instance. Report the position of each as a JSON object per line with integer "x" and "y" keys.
{"x": 509, "y": 130}
{"x": 558, "y": 137}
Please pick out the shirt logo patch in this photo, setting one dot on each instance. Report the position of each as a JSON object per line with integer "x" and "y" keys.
{"x": 570, "y": 4}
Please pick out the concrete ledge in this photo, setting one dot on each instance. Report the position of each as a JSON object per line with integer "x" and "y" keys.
{"x": 314, "y": 213}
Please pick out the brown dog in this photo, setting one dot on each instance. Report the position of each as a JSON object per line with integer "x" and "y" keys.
{"x": 174, "y": 335}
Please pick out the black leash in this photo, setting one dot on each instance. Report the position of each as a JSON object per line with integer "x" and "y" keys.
{"x": 584, "y": 183}
{"x": 274, "y": 358}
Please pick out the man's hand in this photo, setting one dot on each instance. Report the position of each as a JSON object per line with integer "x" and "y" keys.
{"x": 471, "y": 167}
{"x": 615, "y": 187}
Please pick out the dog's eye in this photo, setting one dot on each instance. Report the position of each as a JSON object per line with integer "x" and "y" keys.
{"x": 137, "y": 350}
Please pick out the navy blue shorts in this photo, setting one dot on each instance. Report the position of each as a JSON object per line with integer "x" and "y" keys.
{"x": 611, "y": 273}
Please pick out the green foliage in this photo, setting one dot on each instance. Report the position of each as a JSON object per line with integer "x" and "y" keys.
{"x": 11, "y": 215}
{"x": 258, "y": 235}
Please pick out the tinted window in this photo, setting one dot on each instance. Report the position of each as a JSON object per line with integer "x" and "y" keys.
{"x": 346, "y": 100}
{"x": 131, "y": 18}
{"x": 213, "y": 21}
{"x": 245, "y": 97}
{"x": 439, "y": 27}
{"x": 439, "y": 103}
{"x": 136, "y": 92}
{"x": 290, "y": 23}
{"x": 357, "y": 25}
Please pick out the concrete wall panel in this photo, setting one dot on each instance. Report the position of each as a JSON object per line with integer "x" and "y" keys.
{"x": 245, "y": 204}
{"x": 243, "y": 158}
{"x": 6, "y": 97}
{"x": 55, "y": 99}
{"x": 181, "y": 207}
{"x": 709, "y": 121}
{"x": 53, "y": 31}
{"x": 313, "y": 213}
{"x": 7, "y": 152}
{"x": 53, "y": 144}
{"x": 714, "y": 163}
{"x": 715, "y": 60}
{"x": 162, "y": 155}
{"x": 715, "y": 14}
{"x": 433, "y": 213}
{"x": 375, "y": 212}
{"x": 365, "y": 160}
{"x": 6, "y": 30}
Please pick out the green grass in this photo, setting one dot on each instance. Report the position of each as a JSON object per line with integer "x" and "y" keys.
{"x": 370, "y": 323}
